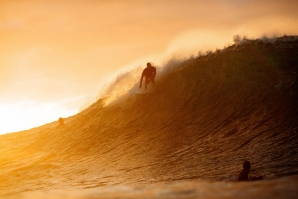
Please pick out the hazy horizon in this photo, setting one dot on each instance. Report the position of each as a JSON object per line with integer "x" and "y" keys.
{"x": 55, "y": 55}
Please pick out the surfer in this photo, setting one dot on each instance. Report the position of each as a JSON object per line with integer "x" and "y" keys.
{"x": 149, "y": 73}
{"x": 243, "y": 175}
{"x": 61, "y": 122}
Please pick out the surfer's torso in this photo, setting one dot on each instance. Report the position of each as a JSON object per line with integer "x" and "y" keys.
{"x": 149, "y": 72}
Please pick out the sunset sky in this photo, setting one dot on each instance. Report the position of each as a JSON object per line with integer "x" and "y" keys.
{"x": 55, "y": 54}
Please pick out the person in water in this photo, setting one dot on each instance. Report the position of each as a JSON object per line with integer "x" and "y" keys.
{"x": 243, "y": 175}
{"x": 61, "y": 122}
{"x": 149, "y": 73}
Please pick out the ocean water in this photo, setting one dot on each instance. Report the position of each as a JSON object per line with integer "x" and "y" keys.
{"x": 186, "y": 137}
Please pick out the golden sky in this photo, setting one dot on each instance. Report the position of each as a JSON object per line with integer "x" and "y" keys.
{"x": 54, "y": 54}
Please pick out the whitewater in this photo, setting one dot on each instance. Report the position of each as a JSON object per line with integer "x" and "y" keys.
{"x": 186, "y": 137}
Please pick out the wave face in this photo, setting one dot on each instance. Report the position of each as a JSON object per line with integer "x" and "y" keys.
{"x": 200, "y": 121}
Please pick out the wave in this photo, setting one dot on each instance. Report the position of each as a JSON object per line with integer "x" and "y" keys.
{"x": 201, "y": 119}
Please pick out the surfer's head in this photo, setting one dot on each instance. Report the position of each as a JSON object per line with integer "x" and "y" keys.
{"x": 148, "y": 64}
{"x": 246, "y": 165}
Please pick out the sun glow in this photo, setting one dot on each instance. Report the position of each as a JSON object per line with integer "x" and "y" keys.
{"x": 28, "y": 114}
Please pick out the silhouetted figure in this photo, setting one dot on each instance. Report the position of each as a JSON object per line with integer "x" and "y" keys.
{"x": 149, "y": 73}
{"x": 61, "y": 122}
{"x": 243, "y": 175}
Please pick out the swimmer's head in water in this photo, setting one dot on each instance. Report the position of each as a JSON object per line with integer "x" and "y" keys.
{"x": 246, "y": 165}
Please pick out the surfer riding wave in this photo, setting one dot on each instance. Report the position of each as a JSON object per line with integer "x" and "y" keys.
{"x": 149, "y": 73}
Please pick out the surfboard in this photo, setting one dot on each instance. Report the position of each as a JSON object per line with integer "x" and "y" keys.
{"x": 141, "y": 93}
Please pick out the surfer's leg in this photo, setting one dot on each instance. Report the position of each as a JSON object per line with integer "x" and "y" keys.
{"x": 146, "y": 82}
